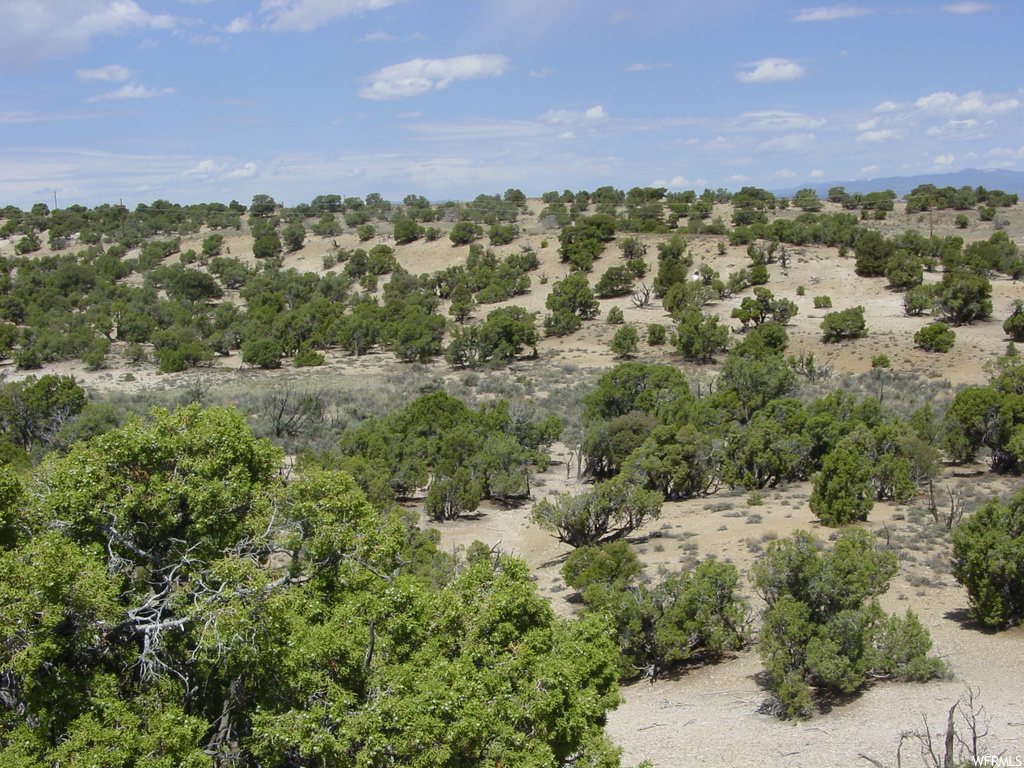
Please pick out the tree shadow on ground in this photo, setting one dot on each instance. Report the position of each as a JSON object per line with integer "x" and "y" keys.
{"x": 962, "y": 616}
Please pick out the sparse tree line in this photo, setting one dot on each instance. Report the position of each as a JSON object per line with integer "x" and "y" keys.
{"x": 76, "y": 304}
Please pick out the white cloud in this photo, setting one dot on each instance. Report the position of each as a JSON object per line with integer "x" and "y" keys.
{"x": 132, "y": 91}
{"x": 419, "y": 76}
{"x": 20, "y": 116}
{"x": 772, "y": 70}
{"x": 205, "y": 40}
{"x": 776, "y": 120}
{"x": 793, "y": 142}
{"x": 239, "y": 25}
{"x": 307, "y": 15}
{"x": 1006, "y": 154}
{"x": 247, "y": 171}
{"x": 112, "y": 73}
{"x": 967, "y": 8}
{"x": 945, "y": 160}
{"x": 374, "y": 37}
{"x": 955, "y": 129}
{"x": 595, "y": 114}
{"x": 830, "y": 13}
{"x": 869, "y": 170}
{"x": 640, "y": 67}
{"x": 220, "y": 171}
{"x": 973, "y": 103}
{"x": 57, "y": 29}
{"x": 877, "y": 137}
{"x": 817, "y": 174}
{"x": 868, "y": 125}
{"x": 785, "y": 174}
{"x": 886, "y": 107}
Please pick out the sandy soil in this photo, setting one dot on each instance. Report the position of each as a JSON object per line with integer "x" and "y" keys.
{"x": 709, "y": 716}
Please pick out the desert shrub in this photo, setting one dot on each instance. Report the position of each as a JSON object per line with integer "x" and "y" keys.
{"x": 600, "y": 564}
{"x": 918, "y": 300}
{"x": 307, "y": 357}
{"x": 845, "y": 324}
{"x": 823, "y": 625}
{"x": 615, "y": 316}
{"x": 935, "y": 337}
{"x": 562, "y": 323}
{"x": 625, "y": 341}
{"x": 656, "y": 334}
{"x": 823, "y": 302}
{"x": 608, "y": 511}
{"x": 963, "y": 297}
{"x": 616, "y": 281}
{"x": 988, "y": 559}
{"x": 262, "y": 353}
{"x": 408, "y": 231}
{"x": 683, "y": 616}
{"x": 842, "y": 489}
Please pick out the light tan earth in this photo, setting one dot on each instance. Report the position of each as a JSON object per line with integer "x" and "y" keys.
{"x": 709, "y": 716}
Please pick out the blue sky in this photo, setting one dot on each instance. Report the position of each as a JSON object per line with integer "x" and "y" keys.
{"x": 210, "y": 100}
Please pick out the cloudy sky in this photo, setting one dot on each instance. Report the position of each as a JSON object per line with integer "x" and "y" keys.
{"x": 209, "y": 100}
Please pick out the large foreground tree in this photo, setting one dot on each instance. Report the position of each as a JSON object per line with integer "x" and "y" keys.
{"x": 168, "y": 600}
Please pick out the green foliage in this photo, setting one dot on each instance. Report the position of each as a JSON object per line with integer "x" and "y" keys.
{"x": 294, "y": 236}
{"x": 687, "y": 616}
{"x": 919, "y": 300}
{"x": 615, "y": 316}
{"x": 267, "y": 246}
{"x": 573, "y": 294}
{"x": 465, "y": 232}
{"x": 33, "y": 411}
{"x": 501, "y": 338}
{"x": 656, "y": 334}
{"x": 935, "y": 337}
{"x": 262, "y": 353}
{"x": 673, "y": 265}
{"x": 842, "y": 489}
{"x": 616, "y": 281}
{"x": 763, "y": 307}
{"x": 584, "y": 241}
{"x": 963, "y": 297}
{"x": 823, "y": 625}
{"x": 988, "y": 559}
{"x": 823, "y": 302}
{"x": 186, "y": 580}
{"x": 625, "y": 341}
{"x": 699, "y": 336}
{"x": 1013, "y": 326}
{"x": 610, "y": 510}
{"x": 611, "y": 563}
{"x": 307, "y": 357}
{"x": 845, "y": 324}
{"x": 873, "y": 251}
{"x": 408, "y": 231}
{"x": 633, "y": 386}
{"x": 904, "y": 270}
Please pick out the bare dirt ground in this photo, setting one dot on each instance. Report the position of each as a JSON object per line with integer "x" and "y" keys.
{"x": 709, "y": 716}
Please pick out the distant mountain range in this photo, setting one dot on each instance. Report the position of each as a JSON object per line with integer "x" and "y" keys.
{"x": 1008, "y": 181}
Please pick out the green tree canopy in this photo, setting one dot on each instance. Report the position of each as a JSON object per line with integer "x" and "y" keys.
{"x": 168, "y": 600}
